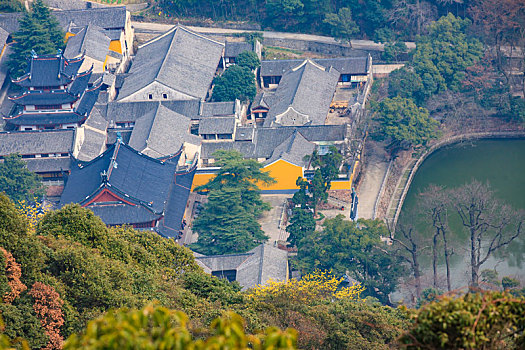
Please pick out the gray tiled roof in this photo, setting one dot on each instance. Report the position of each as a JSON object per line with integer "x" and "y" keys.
{"x": 130, "y": 111}
{"x": 245, "y": 148}
{"x": 233, "y": 48}
{"x": 161, "y": 132}
{"x": 46, "y": 118}
{"x": 344, "y": 65}
{"x": 306, "y": 91}
{"x": 141, "y": 179}
{"x": 266, "y": 140}
{"x": 44, "y": 165}
{"x": 94, "y": 140}
{"x": 210, "y": 109}
{"x": 3, "y": 36}
{"x": 109, "y": 17}
{"x": 113, "y": 34}
{"x": 71, "y": 4}
{"x": 88, "y": 100}
{"x": 49, "y": 70}
{"x": 217, "y": 125}
{"x": 91, "y": 41}
{"x": 105, "y": 17}
{"x": 9, "y": 21}
{"x": 260, "y": 99}
{"x": 254, "y": 267}
{"x": 293, "y": 150}
{"x": 37, "y": 142}
{"x": 117, "y": 214}
{"x": 244, "y": 133}
{"x": 180, "y": 59}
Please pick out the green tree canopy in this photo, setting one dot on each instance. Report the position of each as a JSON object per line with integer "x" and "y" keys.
{"x": 345, "y": 246}
{"x": 17, "y": 182}
{"x": 406, "y": 83}
{"x": 404, "y": 122}
{"x": 342, "y": 26}
{"x": 11, "y": 6}
{"x": 442, "y": 56}
{"x": 228, "y": 223}
{"x": 236, "y": 82}
{"x": 248, "y": 59}
{"x": 490, "y": 320}
{"x": 301, "y": 225}
{"x": 39, "y": 31}
{"x": 225, "y": 226}
{"x": 155, "y": 327}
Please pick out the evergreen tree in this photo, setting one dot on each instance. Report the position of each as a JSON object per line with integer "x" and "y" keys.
{"x": 235, "y": 83}
{"x": 341, "y": 24}
{"x": 248, "y": 59}
{"x": 18, "y": 182}
{"x": 39, "y": 31}
{"x": 301, "y": 225}
{"x": 228, "y": 223}
{"x": 11, "y": 6}
{"x": 225, "y": 226}
{"x": 404, "y": 122}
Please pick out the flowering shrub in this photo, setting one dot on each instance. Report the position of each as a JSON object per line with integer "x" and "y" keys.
{"x": 33, "y": 211}
{"x": 314, "y": 286}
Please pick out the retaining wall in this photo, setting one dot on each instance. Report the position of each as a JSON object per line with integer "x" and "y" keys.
{"x": 450, "y": 141}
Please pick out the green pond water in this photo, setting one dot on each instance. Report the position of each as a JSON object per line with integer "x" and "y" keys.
{"x": 501, "y": 163}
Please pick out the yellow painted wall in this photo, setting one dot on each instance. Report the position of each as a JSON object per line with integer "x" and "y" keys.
{"x": 68, "y": 35}
{"x": 115, "y": 46}
{"x": 284, "y": 173}
{"x": 341, "y": 185}
{"x": 201, "y": 179}
{"x": 3, "y": 50}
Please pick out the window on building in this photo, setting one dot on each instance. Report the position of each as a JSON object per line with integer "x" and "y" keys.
{"x": 143, "y": 225}
{"x": 165, "y": 96}
{"x": 230, "y": 275}
{"x": 194, "y": 129}
{"x": 64, "y": 154}
{"x": 150, "y": 96}
{"x": 28, "y": 156}
{"x": 224, "y": 136}
{"x": 48, "y": 106}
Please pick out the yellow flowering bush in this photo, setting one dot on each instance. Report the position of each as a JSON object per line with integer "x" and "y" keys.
{"x": 33, "y": 211}
{"x": 315, "y": 286}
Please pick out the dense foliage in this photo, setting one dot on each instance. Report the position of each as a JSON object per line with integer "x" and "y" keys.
{"x": 356, "y": 249}
{"x": 155, "y": 327}
{"x": 442, "y": 56}
{"x": 39, "y": 32}
{"x": 491, "y": 320}
{"x": 17, "y": 182}
{"x": 248, "y": 59}
{"x": 228, "y": 222}
{"x": 11, "y": 6}
{"x": 404, "y": 123}
{"x": 236, "y": 82}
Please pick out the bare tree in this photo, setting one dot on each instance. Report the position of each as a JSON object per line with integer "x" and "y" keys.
{"x": 434, "y": 205}
{"x": 491, "y": 225}
{"x": 410, "y": 14}
{"x": 408, "y": 246}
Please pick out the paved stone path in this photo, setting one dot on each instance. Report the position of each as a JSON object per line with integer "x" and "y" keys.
{"x": 370, "y": 186}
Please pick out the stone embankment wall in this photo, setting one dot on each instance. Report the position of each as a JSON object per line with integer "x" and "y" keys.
{"x": 442, "y": 143}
